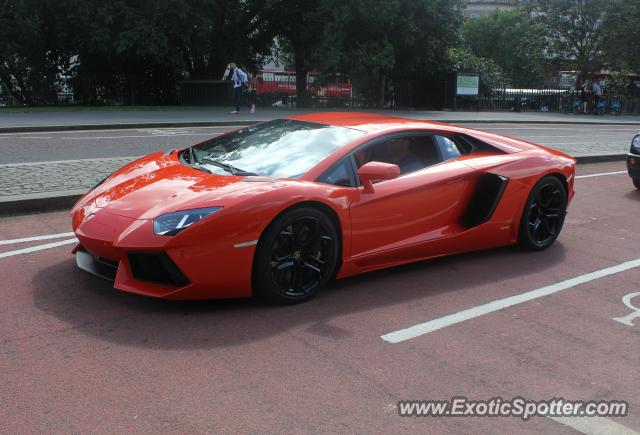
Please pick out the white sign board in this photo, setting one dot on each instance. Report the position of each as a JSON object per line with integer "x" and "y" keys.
{"x": 467, "y": 84}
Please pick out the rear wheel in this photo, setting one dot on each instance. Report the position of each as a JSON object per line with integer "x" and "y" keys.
{"x": 543, "y": 214}
{"x": 636, "y": 182}
{"x": 297, "y": 255}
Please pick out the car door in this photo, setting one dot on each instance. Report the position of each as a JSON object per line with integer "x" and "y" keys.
{"x": 423, "y": 204}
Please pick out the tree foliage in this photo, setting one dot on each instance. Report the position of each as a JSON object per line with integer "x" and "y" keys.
{"x": 34, "y": 48}
{"x": 573, "y": 29}
{"x": 491, "y": 75}
{"x": 376, "y": 40}
{"x": 622, "y": 34}
{"x": 512, "y": 41}
{"x": 41, "y": 40}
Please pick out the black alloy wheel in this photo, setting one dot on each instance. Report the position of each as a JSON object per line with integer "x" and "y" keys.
{"x": 544, "y": 214}
{"x": 296, "y": 256}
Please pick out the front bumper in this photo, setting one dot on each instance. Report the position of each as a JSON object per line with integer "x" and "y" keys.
{"x": 633, "y": 165}
{"x": 125, "y": 250}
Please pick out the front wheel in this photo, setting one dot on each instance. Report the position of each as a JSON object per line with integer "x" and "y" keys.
{"x": 543, "y": 215}
{"x": 296, "y": 256}
{"x": 636, "y": 182}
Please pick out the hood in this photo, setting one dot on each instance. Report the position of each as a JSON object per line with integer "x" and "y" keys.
{"x": 159, "y": 184}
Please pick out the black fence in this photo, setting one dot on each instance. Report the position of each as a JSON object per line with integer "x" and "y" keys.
{"x": 136, "y": 91}
{"x": 277, "y": 92}
{"x": 563, "y": 100}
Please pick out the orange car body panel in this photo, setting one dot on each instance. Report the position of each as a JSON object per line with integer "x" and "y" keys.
{"x": 410, "y": 218}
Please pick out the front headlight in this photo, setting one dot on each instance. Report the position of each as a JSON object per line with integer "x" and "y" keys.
{"x": 171, "y": 224}
{"x": 635, "y": 144}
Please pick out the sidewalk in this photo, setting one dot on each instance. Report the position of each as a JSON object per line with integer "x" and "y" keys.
{"x": 101, "y": 118}
{"x": 41, "y": 186}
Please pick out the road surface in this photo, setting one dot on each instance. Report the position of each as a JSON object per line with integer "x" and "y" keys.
{"x": 55, "y": 146}
{"x": 78, "y": 356}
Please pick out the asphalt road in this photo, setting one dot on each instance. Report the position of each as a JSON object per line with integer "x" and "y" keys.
{"x": 53, "y": 146}
{"x": 77, "y": 356}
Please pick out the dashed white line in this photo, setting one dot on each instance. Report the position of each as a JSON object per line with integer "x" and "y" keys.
{"x": 38, "y": 248}
{"x": 595, "y": 425}
{"x": 500, "y": 304}
{"x": 35, "y": 238}
{"x": 564, "y": 127}
{"x": 601, "y": 174}
{"x": 134, "y": 136}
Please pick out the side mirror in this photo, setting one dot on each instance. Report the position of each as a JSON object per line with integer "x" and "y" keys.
{"x": 376, "y": 171}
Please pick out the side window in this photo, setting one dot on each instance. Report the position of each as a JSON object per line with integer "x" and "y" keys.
{"x": 448, "y": 148}
{"x": 410, "y": 153}
{"x": 339, "y": 175}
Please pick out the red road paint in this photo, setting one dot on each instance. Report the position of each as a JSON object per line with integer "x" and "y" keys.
{"x": 76, "y": 355}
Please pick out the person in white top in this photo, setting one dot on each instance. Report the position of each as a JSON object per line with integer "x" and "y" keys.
{"x": 240, "y": 81}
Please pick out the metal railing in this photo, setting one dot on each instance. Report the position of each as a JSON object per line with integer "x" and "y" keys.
{"x": 563, "y": 100}
{"x": 132, "y": 91}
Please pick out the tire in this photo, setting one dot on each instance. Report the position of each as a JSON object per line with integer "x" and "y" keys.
{"x": 636, "y": 182}
{"x": 543, "y": 214}
{"x": 296, "y": 256}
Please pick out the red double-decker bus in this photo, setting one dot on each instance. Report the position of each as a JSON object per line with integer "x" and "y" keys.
{"x": 284, "y": 82}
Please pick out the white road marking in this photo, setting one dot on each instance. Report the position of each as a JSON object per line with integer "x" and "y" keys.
{"x": 601, "y": 174}
{"x": 127, "y": 137}
{"x": 35, "y": 238}
{"x": 38, "y": 137}
{"x": 500, "y": 304}
{"x": 594, "y": 425}
{"x": 624, "y": 145}
{"x": 635, "y": 312}
{"x": 37, "y": 248}
{"x": 36, "y": 133}
{"x": 605, "y": 134}
{"x": 570, "y": 126}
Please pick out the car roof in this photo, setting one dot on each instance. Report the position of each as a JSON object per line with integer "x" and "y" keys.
{"x": 372, "y": 122}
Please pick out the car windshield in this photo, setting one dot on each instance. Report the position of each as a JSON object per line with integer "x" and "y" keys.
{"x": 280, "y": 148}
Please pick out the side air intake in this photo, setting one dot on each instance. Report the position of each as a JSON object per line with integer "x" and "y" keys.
{"x": 484, "y": 200}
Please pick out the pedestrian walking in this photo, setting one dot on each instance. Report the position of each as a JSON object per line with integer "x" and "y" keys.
{"x": 250, "y": 90}
{"x": 584, "y": 97}
{"x": 597, "y": 95}
{"x": 240, "y": 81}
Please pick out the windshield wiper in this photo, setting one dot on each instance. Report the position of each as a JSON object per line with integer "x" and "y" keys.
{"x": 199, "y": 167}
{"x": 230, "y": 169}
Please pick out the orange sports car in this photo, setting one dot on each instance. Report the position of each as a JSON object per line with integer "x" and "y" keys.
{"x": 281, "y": 208}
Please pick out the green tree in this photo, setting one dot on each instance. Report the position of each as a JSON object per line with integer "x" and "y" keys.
{"x": 512, "y": 41}
{"x": 573, "y": 29}
{"x": 300, "y": 26}
{"x": 622, "y": 33}
{"x": 195, "y": 38}
{"x": 376, "y": 40}
{"x": 491, "y": 75}
{"x": 34, "y": 48}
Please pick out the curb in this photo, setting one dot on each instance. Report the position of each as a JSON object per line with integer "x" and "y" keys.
{"x": 39, "y": 202}
{"x": 239, "y": 123}
{"x": 64, "y": 200}
{"x": 603, "y": 158}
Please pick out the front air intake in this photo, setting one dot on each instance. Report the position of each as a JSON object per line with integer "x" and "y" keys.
{"x": 157, "y": 268}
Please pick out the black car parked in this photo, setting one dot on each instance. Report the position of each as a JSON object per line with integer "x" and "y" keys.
{"x": 633, "y": 161}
